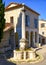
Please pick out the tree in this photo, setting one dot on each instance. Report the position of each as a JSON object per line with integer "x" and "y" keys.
{"x": 2, "y": 20}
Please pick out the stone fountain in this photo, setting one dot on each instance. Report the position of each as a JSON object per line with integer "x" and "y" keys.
{"x": 22, "y": 53}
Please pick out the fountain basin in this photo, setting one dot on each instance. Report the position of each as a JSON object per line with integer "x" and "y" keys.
{"x": 24, "y": 54}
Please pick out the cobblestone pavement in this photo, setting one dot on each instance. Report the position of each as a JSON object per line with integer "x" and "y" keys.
{"x": 41, "y": 51}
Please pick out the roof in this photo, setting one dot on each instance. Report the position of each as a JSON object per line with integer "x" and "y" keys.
{"x": 8, "y": 26}
{"x": 11, "y": 4}
{"x": 18, "y": 6}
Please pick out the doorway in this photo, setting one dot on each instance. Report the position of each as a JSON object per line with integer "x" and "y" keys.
{"x": 43, "y": 41}
{"x": 16, "y": 40}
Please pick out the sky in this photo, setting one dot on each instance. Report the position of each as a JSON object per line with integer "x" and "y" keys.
{"x": 37, "y": 5}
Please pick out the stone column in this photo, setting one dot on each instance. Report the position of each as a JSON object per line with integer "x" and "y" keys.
{"x": 23, "y": 24}
{"x": 34, "y": 38}
{"x": 24, "y": 55}
{"x": 29, "y": 39}
{"x": 23, "y": 41}
{"x": 37, "y": 37}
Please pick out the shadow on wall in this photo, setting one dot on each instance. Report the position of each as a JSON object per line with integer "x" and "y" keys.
{"x": 42, "y": 40}
{"x": 18, "y": 35}
{"x": 18, "y": 30}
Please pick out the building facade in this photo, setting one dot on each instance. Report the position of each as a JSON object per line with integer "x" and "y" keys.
{"x": 42, "y": 31}
{"x": 25, "y": 24}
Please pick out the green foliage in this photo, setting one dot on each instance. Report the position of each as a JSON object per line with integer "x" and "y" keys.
{"x": 2, "y": 20}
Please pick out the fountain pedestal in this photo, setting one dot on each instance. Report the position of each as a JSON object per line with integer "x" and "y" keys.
{"x": 23, "y": 44}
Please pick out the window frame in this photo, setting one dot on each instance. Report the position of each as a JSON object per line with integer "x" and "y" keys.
{"x": 27, "y": 21}
{"x": 36, "y": 24}
{"x": 11, "y": 19}
{"x": 42, "y": 25}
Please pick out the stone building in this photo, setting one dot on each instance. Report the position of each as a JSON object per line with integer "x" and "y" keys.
{"x": 42, "y": 31}
{"x": 24, "y": 25}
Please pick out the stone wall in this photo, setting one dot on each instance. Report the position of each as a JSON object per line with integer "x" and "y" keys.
{"x": 5, "y": 39}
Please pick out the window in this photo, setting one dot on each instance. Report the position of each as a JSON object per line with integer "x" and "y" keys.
{"x": 27, "y": 19}
{"x": 42, "y": 32}
{"x": 42, "y": 25}
{"x": 11, "y": 19}
{"x": 36, "y": 23}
